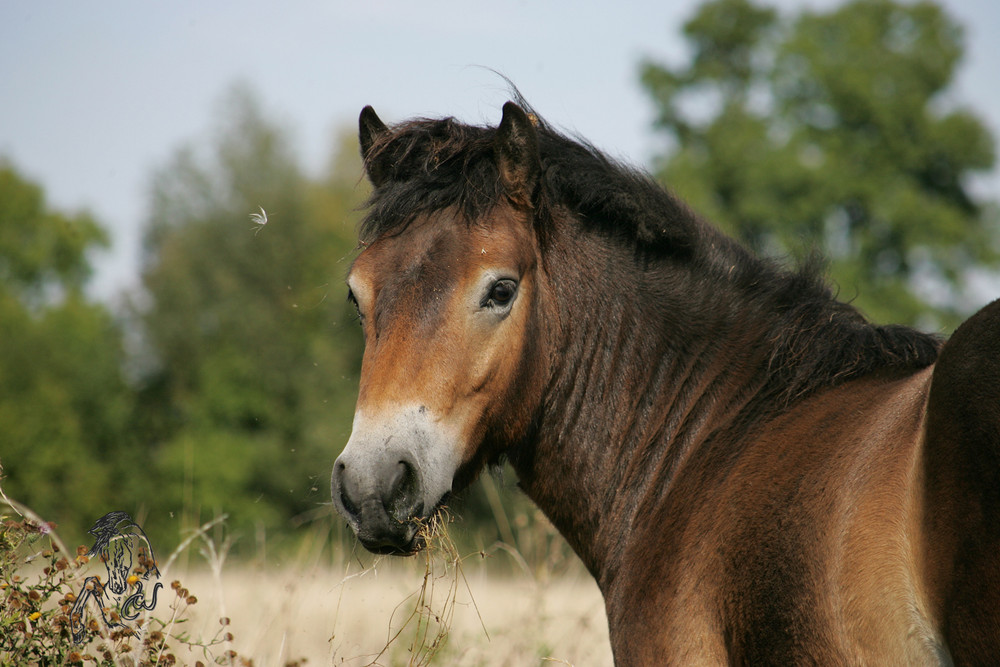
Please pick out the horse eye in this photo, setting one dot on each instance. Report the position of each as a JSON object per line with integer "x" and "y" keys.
{"x": 501, "y": 293}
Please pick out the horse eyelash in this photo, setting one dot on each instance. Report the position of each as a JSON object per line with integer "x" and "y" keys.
{"x": 351, "y": 299}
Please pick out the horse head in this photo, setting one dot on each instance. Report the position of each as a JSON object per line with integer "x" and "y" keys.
{"x": 448, "y": 299}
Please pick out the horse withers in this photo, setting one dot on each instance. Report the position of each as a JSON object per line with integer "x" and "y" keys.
{"x": 753, "y": 473}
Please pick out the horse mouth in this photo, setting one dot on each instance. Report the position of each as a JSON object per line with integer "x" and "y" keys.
{"x": 406, "y": 538}
{"x": 402, "y": 548}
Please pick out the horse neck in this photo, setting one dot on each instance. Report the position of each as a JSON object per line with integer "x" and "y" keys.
{"x": 651, "y": 362}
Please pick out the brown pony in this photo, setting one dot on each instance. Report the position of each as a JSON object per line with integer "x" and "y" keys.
{"x": 753, "y": 473}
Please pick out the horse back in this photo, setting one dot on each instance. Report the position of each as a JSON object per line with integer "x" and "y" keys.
{"x": 962, "y": 469}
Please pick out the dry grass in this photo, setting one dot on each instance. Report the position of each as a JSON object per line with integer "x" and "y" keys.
{"x": 437, "y": 608}
{"x": 348, "y": 616}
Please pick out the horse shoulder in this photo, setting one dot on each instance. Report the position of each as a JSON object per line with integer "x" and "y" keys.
{"x": 791, "y": 547}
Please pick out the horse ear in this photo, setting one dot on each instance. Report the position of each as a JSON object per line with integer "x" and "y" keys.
{"x": 516, "y": 149}
{"x": 370, "y": 129}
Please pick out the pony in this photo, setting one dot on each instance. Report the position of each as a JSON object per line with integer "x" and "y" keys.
{"x": 752, "y": 471}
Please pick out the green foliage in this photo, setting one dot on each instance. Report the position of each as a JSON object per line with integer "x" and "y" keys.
{"x": 251, "y": 350}
{"x": 64, "y": 404}
{"x": 42, "y": 252}
{"x": 833, "y": 131}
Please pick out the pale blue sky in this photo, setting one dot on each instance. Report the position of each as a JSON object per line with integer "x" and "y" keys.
{"x": 94, "y": 95}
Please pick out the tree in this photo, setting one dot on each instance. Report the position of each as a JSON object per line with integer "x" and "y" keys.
{"x": 252, "y": 354}
{"x": 64, "y": 403}
{"x": 833, "y": 131}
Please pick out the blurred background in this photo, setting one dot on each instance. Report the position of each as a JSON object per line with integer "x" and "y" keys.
{"x": 162, "y": 354}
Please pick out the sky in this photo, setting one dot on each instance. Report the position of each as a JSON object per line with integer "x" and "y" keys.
{"x": 95, "y": 95}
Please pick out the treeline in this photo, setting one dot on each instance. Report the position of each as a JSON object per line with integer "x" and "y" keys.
{"x": 227, "y": 382}
{"x": 836, "y": 130}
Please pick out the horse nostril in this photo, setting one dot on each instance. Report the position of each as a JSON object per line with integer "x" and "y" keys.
{"x": 402, "y": 499}
{"x": 345, "y": 498}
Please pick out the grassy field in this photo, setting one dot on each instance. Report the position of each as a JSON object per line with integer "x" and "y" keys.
{"x": 435, "y": 608}
{"x": 361, "y": 616}
{"x": 321, "y": 604}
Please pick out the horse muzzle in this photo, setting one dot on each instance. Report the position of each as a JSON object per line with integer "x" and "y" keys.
{"x": 391, "y": 479}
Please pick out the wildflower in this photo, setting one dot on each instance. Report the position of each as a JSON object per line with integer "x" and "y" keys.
{"x": 35, "y": 616}
{"x": 132, "y": 580}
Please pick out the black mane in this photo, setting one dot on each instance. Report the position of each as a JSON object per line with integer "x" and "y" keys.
{"x": 429, "y": 165}
{"x": 435, "y": 164}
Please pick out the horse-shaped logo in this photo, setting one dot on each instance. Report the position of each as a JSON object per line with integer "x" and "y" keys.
{"x": 119, "y": 542}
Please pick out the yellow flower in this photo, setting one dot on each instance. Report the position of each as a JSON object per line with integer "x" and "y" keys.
{"x": 132, "y": 580}
{"x": 34, "y": 617}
